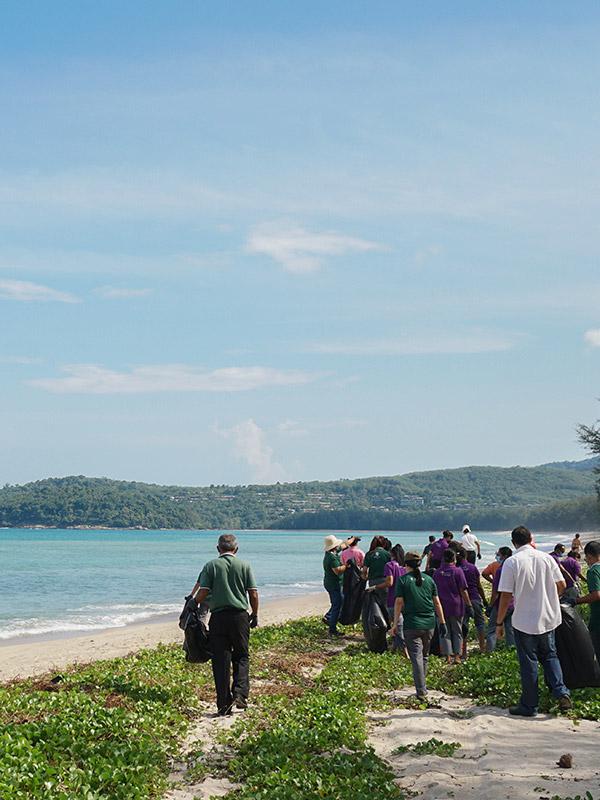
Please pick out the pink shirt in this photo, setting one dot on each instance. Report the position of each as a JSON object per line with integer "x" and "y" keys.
{"x": 353, "y": 552}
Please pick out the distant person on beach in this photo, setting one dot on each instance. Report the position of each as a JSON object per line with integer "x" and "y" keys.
{"x": 228, "y": 583}
{"x": 592, "y": 556}
{"x": 374, "y": 565}
{"x": 533, "y": 580}
{"x": 436, "y": 551}
{"x": 333, "y": 576}
{"x": 471, "y": 544}
{"x": 576, "y": 543}
{"x": 392, "y": 572}
{"x": 452, "y": 590}
{"x": 417, "y": 602}
{"x": 353, "y": 552}
{"x": 491, "y": 632}
{"x": 477, "y": 596}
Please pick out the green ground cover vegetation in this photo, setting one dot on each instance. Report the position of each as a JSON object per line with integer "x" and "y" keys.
{"x": 112, "y": 730}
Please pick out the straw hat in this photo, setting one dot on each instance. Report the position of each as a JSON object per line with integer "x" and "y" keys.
{"x": 330, "y": 542}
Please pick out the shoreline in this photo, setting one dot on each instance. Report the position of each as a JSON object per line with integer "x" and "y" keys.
{"x": 36, "y": 656}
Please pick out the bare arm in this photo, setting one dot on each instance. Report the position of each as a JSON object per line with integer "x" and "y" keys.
{"x": 488, "y": 578}
{"x": 388, "y": 582}
{"x": 339, "y": 570}
{"x": 505, "y": 598}
{"x": 592, "y": 597}
{"x": 560, "y": 587}
{"x": 253, "y": 596}
{"x": 398, "y": 609}
{"x": 202, "y": 595}
{"x": 439, "y": 610}
{"x": 466, "y": 598}
{"x": 481, "y": 592}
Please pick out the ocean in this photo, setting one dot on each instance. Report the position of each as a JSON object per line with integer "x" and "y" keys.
{"x": 60, "y": 582}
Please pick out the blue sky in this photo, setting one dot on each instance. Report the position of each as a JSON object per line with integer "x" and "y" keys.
{"x": 262, "y": 241}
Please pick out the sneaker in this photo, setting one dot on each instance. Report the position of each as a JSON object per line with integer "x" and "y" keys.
{"x": 565, "y": 703}
{"x": 240, "y": 701}
{"x": 324, "y": 620}
{"x": 224, "y": 712}
{"x": 522, "y": 711}
{"x": 422, "y": 697}
{"x": 335, "y": 634}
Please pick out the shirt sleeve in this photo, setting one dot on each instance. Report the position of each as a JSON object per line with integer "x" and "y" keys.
{"x": 461, "y": 580}
{"x": 205, "y": 579}
{"x": 507, "y": 578}
{"x": 593, "y": 579}
{"x": 400, "y": 588}
{"x": 250, "y": 582}
{"x": 556, "y": 573}
{"x": 388, "y": 570}
{"x": 487, "y": 570}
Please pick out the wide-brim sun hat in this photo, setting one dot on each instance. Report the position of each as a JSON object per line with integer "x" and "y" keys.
{"x": 330, "y": 542}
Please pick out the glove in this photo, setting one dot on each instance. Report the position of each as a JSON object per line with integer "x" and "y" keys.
{"x": 443, "y": 630}
{"x": 253, "y": 620}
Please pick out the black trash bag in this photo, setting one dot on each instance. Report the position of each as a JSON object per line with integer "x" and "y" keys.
{"x": 435, "y": 648}
{"x": 375, "y": 622}
{"x": 196, "y": 645}
{"x": 354, "y": 592}
{"x": 575, "y": 650}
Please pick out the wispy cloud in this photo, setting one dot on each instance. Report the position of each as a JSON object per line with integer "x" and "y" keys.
{"x": 250, "y": 445}
{"x": 414, "y": 346}
{"x": 94, "y": 379}
{"x": 593, "y": 337}
{"x": 300, "y": 251}
{"x": 121, "y": 293}
{"x": 27, "y": 292}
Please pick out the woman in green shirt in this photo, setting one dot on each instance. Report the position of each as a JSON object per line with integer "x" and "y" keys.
{"x": 374, "y": 565}
{"x": 417, "y": 600}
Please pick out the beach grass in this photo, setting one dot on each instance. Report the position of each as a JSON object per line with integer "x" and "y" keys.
{"x": 113, "y": 729}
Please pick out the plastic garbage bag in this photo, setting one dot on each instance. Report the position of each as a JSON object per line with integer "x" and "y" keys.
{"x": 576, "y": 651}
{"x": 354, "y": 592}
{"x": 375, "y": 622}
{"x": 196, "y": 643}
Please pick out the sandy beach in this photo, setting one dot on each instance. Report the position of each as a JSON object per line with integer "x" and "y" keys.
{"x": 38, "y": 656}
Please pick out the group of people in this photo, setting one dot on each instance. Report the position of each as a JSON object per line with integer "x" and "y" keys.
{"x": 440, "y": 600}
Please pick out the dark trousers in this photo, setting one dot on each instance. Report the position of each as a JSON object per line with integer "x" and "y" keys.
{"x": 532, "y": 650}
{"x": 595, "y": 635}
{"x": 471, "y": 556}
{"x": 332, "y": 616}
{"x": 229, "y": 641}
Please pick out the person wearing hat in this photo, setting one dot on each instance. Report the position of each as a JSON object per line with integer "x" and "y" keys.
{"x": 470, "y": 543}
{"x": 333, "y": 575}
{"x": 353, "y": 552}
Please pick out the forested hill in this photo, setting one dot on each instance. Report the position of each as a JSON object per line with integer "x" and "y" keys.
{"x": 552, "y": 495}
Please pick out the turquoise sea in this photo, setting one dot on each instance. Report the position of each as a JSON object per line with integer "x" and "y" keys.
{"x": 65, "y": 581}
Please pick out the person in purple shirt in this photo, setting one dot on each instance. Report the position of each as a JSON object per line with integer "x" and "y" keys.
{"x": 437, "y": 549}
{"x": 454, "y": 597}
{"x": 491, "y": 633}
{"x": 476, "y": 594}
{"x": 571, "y": 569}
{"x": 393, "y": 570}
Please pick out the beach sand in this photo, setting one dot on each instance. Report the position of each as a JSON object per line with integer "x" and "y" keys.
{"x": 36, "y": 656}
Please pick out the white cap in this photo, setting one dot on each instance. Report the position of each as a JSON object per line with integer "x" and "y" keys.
{"x": 466, "y": 529}
{"x": 330, "y": 542}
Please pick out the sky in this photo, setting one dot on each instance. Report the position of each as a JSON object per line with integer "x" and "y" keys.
{"x": 249, "y": 242}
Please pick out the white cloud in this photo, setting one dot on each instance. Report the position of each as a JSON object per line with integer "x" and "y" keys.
{"x": 27, "y": 292}
{"x": 250, "y": 445}
{"x": 94, "y": 379}
{"x": 414, "y": 346}
{"x": 121, "y": 293}
{"x": 593, "y": 337}
{"x": 299, "y": 250}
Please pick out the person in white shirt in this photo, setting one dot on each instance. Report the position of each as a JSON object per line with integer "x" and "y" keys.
{"x": 471, "y": 544}
{"x": 534, "y": 581}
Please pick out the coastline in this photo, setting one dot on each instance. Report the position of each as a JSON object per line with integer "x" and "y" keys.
{"x": 37, "y": 655}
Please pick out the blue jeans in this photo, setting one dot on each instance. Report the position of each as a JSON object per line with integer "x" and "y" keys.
{"x": 491, "y": 635}
{"x": 332, "y": 616}
{"x": 533, "y": 649}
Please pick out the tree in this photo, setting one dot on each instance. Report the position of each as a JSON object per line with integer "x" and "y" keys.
{"x": 589, "y": 436}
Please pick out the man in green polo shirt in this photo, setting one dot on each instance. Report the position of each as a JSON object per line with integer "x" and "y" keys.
{"x": 228, "y": 583}
{"x": 592, "y": 556}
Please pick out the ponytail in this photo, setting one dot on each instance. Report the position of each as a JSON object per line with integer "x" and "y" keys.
{"x": 413, "y": 560}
